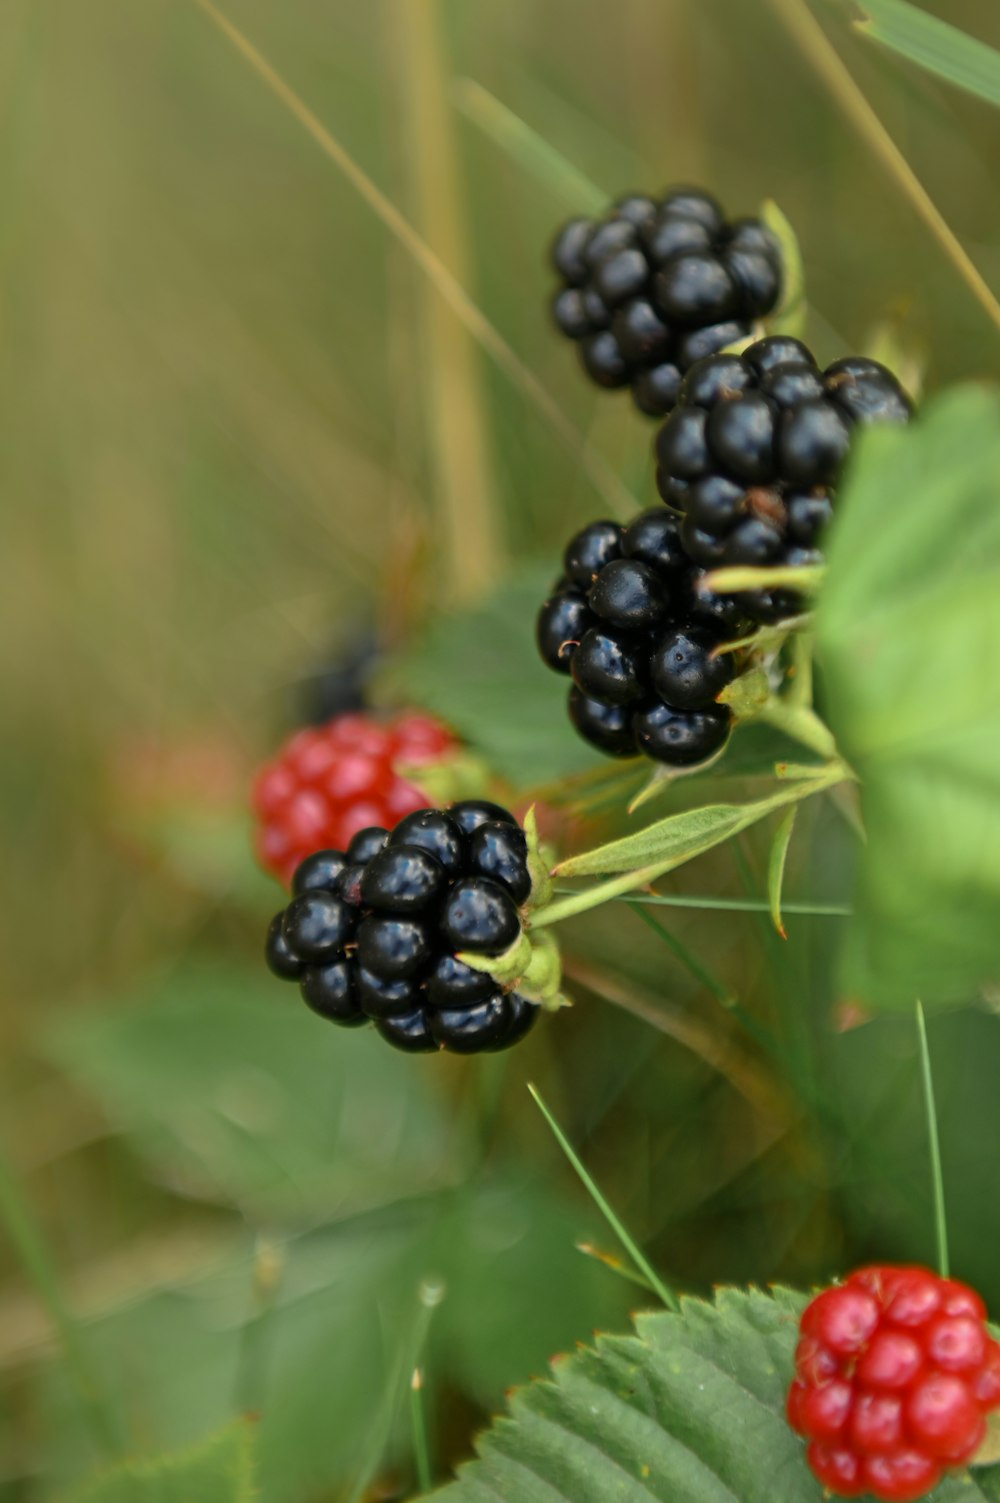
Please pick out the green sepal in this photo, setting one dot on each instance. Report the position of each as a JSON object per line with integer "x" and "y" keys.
{"x": 541, "y": 982}
{"x": 503, "y": 968}
{"x": 790, "y": 315}
{"x": 538, "y": 865}
{"x": 747, "y": 695}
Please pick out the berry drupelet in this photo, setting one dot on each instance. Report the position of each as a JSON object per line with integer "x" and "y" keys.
{"x": 657, "y": 284}
{"x": 329, "y": 781}
{"x": 752, "y": 454}
{"x": 630, "y": 626}
{"x": 373, "y": 933}
{"x": 895, "y": 1373}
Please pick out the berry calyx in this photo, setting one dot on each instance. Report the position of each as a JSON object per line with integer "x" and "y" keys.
{"x": 895, "y": 1373}
{"x": 329, "y": 781}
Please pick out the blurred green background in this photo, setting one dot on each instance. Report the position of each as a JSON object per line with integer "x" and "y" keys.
{"x": 238, "y": 423}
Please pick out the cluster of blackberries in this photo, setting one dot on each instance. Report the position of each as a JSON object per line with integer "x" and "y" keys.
{"x": 654, "y": 286}
{"x": 372, "y": 933}
{"x": 629, "y": 623}
{"x": 753, "y": 450}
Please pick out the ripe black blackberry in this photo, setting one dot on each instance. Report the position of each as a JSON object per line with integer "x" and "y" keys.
{"x": 657, "y": 284}
{"x": 372, "y": 934}
{"x": 629, "y": 625}
{"x": 752, "y": 454}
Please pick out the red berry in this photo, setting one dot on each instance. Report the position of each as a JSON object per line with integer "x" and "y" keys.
{"x": 330, "y": 781}
{"x": 839, "y": 1470}
{"x": 895, "y": 1372}
{"x": 892, "y": 1360}
{"x": 943, "y": 1417}
{"x": 901, "y": 1476}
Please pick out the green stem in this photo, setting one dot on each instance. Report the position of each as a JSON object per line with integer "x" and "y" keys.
{"x": 800, "y": 689}
{"x": 801, "y": 723}
{"x": 937, "y": 1178}
{"x": 638, "y": 1257}
{"x": 29, "y": 1244}
{"x": 728, "y": 905}
{"x": 418, "y": 1420}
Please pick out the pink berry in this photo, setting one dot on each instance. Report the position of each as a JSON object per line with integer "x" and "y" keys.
{"x": 844, "y": 1320}
{"x": 943, "y": 1417}
{"x": 877, "y": 1423}
{"x": 901, "y": 1476}
{"x": 956, "y": 1343}
{"x": 892, "y": 1360}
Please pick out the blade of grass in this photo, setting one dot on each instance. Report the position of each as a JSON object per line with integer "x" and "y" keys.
{"x": 776, "y": 867}
{"x": 526, "y": 147}
{"x": 453, "y": 400}
{"x": 813, "y": 43}
{"x": 616, "y": 1264}
{"x": 937, "y": 1178}
{"x": 30, "y": 1247}
{"x": 598, "y": 471}
{"x": 726, "y": 905}
{"x": 638, "y": 1257}
{"x": 933, "y": 44}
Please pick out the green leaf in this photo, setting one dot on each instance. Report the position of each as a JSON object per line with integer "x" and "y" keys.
{"x": 790, "y": 316}
{"x": 220, "y": 1471}
{"x": 692, "y": 1408}
{"x": 776, "y": 867}
{"x": 236, "y": 1093}
{"x": 908, "y": 632}
{"x": 480, "y": 671}
{"x": 933, "y": 44}
{"x": 680, "y": 837}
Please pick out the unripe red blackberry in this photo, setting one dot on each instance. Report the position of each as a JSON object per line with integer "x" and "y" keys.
{"x": 373, "y": 934}
{"x": 895, "y": 1373}
{"x": 656, "y": 285}
{"x": 330, "y": 781}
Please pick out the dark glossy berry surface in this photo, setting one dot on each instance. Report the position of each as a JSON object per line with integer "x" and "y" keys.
{"x": 603, "y": 359}
{"x": 699, "y": 343}
{"x": 754, "y": 235}
{"x": 608, "y": 727}
{"x": 654, "y": 539}
{"x": 622, "y": 275}
{"x": 569, "y": 309}
{"x": 668, "y": 235}
{"x": 702, "y": 547}
{"x": 682, "y": 446}
{"x": 756, "y": 278}
{"x": 434, "y": 831}
{"x": 587, "y": 553}
{"x": 628, "y": 594}
{"x": 696, "y": 203}
{"x": 867, "y": 392}
{"x": 714, "y": 379}
{"x": 349, "y": 883}
{"x": 394, "y": 948}
{"x": 642, "y": 335}
{"x": 726, "y": 612}
{"x": 403, "y": 879}
{"x": 279, "y": 957}
{"x": 753, "y": 542}
{"x": 777, "y": 349}
{"x": 607, "y": 240}
{"x": 367, "y": 843}
{"x": 408, "y": 1032}
{"x": 500, "y": 851}
{"x": 808, "y": 517}
{"x": 470, "y": 813}
{"x": 694, "y": 288}
{"x": 813, "y": 441}
{"x": 382, "y": 997}
{"x": 681, "y": 738}
{"x": 316, "y": 926}
{"x": 686, "y": 671}
{"x": 332, "y": 992}
{"x": 452, "y": 983}
{"x": 320, "y": 870}
{"x": 480, "y": 915}
{"x": 636, "y": 208}
{"x": 562, "y": 621}
{"x": 655, "y": 389}
{"x": 567, "y": 251}
{"x": 740, "y": 435}
{"x": 522, "y": 1015}
{"x": 467, "y": 1030}
{"x": 788, "y": 385}
{"x": 715, "y": 503}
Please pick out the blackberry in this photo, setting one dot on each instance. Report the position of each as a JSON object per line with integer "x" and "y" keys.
{"x": 751, "y": 457}
{"x": 373, "y": 934}
{"x": 656, "y": 285}
{"x": 646, "y": 675}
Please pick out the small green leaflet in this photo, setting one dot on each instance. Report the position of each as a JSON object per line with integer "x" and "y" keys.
{"x": 933, "y": 44}
{"x": 691, "y": 1409}
{"x": 220, "y": 1471}
{"x": 776, "y": 867}
{"x": 908, "y": 635}
{"x": 790, "y": 317}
